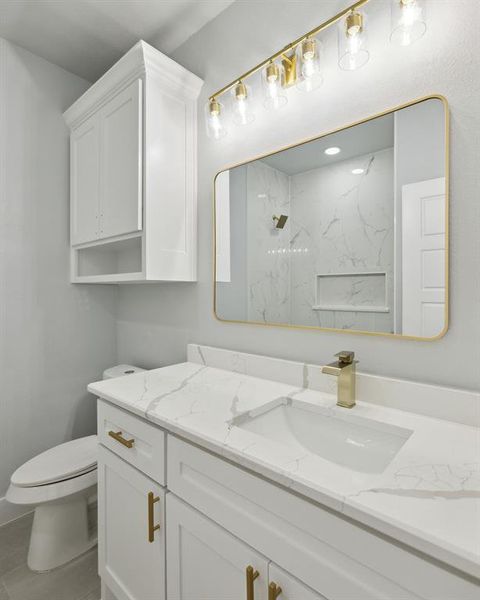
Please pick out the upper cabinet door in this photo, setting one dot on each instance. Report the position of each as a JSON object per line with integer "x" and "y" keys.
{"x": 85, "y": 154}
{"x": 121, "y": 163}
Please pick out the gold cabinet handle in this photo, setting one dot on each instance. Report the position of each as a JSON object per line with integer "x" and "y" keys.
{"x": 117, "y": 435}
{"x": 251, "y": 574}
{"x": 274, "y": 591}
{"x": 152, "y": 499}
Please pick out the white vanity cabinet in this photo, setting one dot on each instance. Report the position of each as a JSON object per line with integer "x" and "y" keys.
{"x": 304, "y": 543}
{"x": 288, "y": 587}
{"x": 133, "y": 173}
{"x": 206, "y": 562}
{"x": 131, "y": 526}
{"x": 177, "y": 522}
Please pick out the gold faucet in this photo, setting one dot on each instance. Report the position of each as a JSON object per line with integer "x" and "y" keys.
{"x": 344, "y": 368}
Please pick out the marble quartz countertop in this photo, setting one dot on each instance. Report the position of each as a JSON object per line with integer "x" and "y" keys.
{"x": 428, "y": 497}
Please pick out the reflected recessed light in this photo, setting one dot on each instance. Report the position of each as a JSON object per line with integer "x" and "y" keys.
{"x": 333, "y": 150}
{"x": 358, "y": 171}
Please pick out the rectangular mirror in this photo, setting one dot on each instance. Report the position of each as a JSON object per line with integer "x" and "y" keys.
{"x": 348, "y": 231}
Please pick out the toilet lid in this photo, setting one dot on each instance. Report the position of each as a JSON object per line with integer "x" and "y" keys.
{"x": 59, "y": 463}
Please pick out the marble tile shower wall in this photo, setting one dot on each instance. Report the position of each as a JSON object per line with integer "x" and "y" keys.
{"x": 338, "y": 223}
{"x": 346, "y": 223}
{"x": 268, "y": 260}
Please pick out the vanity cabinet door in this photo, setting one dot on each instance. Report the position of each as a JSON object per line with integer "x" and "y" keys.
{"x": 205, "y": 562}
{"x": 84, "y": 184}
{"x": 121, "y": 163}
{"x": 284, "y": 586}
{"x": 131, "y": 552}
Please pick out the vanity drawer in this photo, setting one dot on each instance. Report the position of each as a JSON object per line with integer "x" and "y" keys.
{"x": 135, "y": 440}
{"x": 333, "y": 555}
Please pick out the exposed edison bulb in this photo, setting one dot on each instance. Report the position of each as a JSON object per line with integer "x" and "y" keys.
{"x": 273, "y": 91}
{"x": 213, "y": 119}
{"x": 352, "y": 42}
{"x": 408, "y": 21}
{"x": 310, "y": 77}
{"x": 241, "y": 109}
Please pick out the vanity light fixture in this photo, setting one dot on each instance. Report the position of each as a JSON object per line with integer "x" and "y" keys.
{"x": 408, "y": 21}
{"x": 274, "y": 96}
{"x": 358, "y": 171}
{"x": 242, "y": 114}
{"x": 300, "y": 63}
{"x": 213, "y": 118}
{"x": 332, "y": 151}
{"x": 310, "y": 76}
{"x": 352, "y": 42}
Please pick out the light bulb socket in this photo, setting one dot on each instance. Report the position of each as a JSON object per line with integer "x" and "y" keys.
{"x": 241, "y": 92}
{"x": 354, "y": 23}
{"x": 309, "y": 49}
{"x": 214, "y": 108}
{"x": 406, "y": 2}
{"x": 272, "y": 72}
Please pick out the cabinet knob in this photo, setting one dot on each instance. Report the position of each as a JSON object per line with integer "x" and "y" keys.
{"x": 251, "y": 575}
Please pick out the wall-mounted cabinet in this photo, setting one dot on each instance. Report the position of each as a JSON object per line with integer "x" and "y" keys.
{"x": 133, "y": 173}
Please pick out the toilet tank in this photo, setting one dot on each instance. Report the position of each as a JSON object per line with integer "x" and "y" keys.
{"x": 120, "y": 371}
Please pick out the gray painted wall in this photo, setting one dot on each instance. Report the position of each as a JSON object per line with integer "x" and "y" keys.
{"x": 156, "y": 321}
{"x": 54, "y": 337}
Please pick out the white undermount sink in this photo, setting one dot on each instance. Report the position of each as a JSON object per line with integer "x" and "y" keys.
{"x": 338, "y": 435}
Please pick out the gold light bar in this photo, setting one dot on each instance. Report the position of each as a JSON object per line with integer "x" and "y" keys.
{"x": 290, "y": 47}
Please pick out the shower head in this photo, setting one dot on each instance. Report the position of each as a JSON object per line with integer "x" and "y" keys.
{"x": 280, "y": 221}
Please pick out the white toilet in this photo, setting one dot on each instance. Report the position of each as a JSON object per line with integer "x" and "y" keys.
{"x": 59, "y": 483}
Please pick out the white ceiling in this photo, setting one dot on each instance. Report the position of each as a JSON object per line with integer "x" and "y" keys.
{"x": 356, "y": 141}
{"x": 87, "y": 36}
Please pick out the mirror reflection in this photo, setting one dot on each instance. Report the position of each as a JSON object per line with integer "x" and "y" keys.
{"x": 347, "y": 231}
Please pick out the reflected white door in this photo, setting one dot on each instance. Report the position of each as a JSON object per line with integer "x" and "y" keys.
{"x": 423, "y": 258}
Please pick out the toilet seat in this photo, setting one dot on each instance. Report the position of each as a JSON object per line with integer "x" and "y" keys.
{"x": 62, "y": 471}
{"x": 61, "y": 463}
{"x": 40, "y": 494}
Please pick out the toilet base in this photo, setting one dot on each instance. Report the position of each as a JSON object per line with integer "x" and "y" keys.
{"x": 60, "y": 533}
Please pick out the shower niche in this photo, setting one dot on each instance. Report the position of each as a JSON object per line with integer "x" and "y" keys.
{"x": 357, "y": 291}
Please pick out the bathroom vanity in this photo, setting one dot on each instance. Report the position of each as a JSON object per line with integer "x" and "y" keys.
{"x": 236, "y": 476}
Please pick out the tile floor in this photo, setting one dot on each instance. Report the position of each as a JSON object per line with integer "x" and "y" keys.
{"x": 78, "y": 580}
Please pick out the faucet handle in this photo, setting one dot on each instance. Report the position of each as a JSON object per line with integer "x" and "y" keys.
{"x": 345, "y": 357}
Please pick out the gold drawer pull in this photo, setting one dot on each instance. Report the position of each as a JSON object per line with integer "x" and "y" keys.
{"x": 251, "y": 574}
{"x": 274, "y": 591}
{"x": 152, "y": 499}
{"x": 117, "y": 435}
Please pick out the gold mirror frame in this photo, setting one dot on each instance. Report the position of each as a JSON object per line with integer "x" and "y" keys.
{"x": 447, "y": 227}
